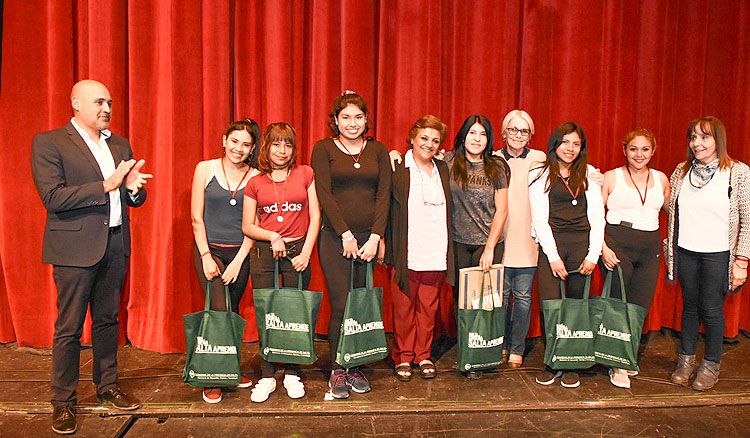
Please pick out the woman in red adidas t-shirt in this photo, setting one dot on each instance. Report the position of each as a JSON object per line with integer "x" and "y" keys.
{"x": 284, "y": 200}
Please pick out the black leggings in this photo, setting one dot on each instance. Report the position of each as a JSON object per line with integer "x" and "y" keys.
{"x": 639, "y": 253}
{"x": 223, "y": 255}
{"x": 572, "y": 248}
{"x": 336, "y": 270}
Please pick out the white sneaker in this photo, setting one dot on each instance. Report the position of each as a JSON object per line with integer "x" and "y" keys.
{"x": 263, "y": 389}
{"x": 619, "y": 378}
{"x": 294, "y": 386}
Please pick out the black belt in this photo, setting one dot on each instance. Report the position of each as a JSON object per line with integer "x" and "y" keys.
{"x": 293, "y": 248}
{"x": 113, "y": 230}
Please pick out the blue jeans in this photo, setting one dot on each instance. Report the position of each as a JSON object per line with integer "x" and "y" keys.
{"x": 517, "y": 281}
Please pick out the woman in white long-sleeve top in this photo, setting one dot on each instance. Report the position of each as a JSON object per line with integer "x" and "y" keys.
{"x": 567, "y": 219}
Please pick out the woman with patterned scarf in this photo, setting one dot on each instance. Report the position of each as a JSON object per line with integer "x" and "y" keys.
{"x": 708, "y": 244}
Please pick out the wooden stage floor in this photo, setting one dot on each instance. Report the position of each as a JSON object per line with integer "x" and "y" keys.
{"x": 502, "y": 403}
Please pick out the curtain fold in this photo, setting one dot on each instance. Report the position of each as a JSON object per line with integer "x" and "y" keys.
{"x": 180, "y": 71}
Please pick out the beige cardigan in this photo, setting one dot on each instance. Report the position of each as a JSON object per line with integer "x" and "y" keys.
{"x": 739, "y": 216}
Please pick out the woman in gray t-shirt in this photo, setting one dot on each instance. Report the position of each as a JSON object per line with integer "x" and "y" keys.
{"x": 479, "y": 185}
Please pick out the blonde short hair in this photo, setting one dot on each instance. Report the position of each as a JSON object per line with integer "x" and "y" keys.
{"x": 521, "y": 114}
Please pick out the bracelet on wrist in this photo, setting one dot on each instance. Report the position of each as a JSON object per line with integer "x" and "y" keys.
{"x": 347, "y": 240}
{"x": 204, "y": 254}
{"x": 276, "y": 239}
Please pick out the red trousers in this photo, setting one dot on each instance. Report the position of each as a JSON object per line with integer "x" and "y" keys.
{"x": 414, "y": 316}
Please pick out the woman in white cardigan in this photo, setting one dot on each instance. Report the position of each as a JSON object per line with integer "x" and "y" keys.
{"x": 708, "y": 244}
{"x": 567, "y": 219}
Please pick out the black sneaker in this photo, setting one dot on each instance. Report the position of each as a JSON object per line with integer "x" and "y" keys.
{"x": 338, "y": 384}
{"x": 547, "y": 377}
{"x": 473, "y": 375}
{"x": 357, "y": 381}
{"x": 570, "y": 380}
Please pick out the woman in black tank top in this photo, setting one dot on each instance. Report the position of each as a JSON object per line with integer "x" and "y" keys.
{"x": 221, "y": 250}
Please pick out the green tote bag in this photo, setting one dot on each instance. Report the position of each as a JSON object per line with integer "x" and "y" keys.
{"x": 481, "y": 333}
{"x": 568, "y": 330}
{"x": 617, "y": 327}
{"x": 362, "y": 337}
{"x": 213, "y": 339}
{"x": 286, "y": 321}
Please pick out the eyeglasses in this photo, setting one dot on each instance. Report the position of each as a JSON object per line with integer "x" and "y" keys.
{"x": 430, "y": 203}
{"x": 524, "y": 132}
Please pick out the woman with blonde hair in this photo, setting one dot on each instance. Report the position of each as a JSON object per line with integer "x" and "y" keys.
{"x": 521, "y": 251}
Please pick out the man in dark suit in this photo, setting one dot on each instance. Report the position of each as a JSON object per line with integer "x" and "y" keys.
{"x": 86, "y": 177}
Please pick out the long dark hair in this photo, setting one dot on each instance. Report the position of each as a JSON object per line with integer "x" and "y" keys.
{"x": 577, "y": 174}
{"x": 253, "y": 129}
{"x": 492, "y": 165}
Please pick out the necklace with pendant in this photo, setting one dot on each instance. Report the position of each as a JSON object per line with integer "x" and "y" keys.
{"x": 279, "y": 217}
{"x": 233, "y": 193}
{"x": 359, "y": 155}
{"x": 574, "y": 201}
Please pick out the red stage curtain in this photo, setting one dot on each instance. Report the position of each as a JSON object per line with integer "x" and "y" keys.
{"x": 179, "y": 71}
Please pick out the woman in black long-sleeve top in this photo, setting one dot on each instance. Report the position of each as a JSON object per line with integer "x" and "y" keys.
{"x": 353, "y": 181}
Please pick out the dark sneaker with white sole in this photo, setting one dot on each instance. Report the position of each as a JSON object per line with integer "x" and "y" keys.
{"x": 547, "y": 377}
{"x": 357, "y": 381}
{"x": 570, "y": 380}
{"x": 338, "y": 384}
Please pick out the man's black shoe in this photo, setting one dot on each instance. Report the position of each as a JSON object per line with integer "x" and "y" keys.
{"x": 64, "y": 420}
{"x": 119, "y": 399}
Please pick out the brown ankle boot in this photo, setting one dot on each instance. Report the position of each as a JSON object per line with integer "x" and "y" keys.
{"x": 707, "y": 376}
{"x": 684, "y": 370}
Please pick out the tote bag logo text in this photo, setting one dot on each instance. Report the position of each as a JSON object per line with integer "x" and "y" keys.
{"x": 205, "y": 347}
{"x": 273, "y": 322}
{"x": 352, "y": 327}
{"x": 477, "y": 341}
{"x": 603, "y": 331}
{"x": 563, "y": 332}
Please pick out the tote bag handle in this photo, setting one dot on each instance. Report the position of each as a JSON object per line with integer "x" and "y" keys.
{"x": 208, "y": 297}
{"x": 586, "y": 287}
{"x": 606, "y": 289}
{"x": 276, "y": 284}
{"x": 369, "y": 283}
